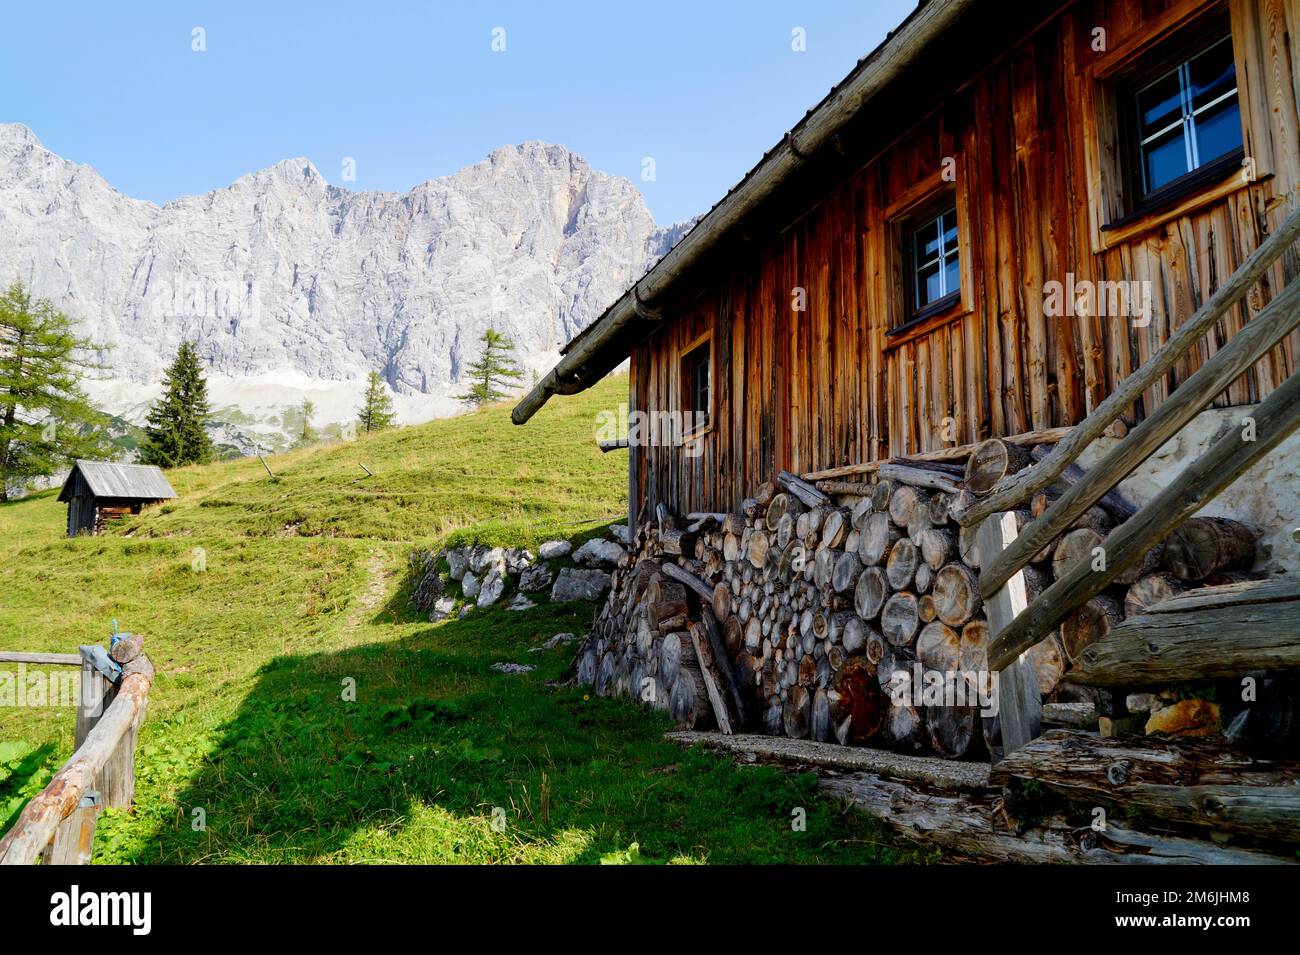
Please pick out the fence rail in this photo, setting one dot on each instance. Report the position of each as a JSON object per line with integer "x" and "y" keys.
{"x": 58, "y": 824}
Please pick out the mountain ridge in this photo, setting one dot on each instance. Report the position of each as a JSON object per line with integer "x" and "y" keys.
{"x": 293, "y": 286}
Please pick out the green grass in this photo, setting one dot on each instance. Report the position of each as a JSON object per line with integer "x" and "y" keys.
{"x": 438, "y": 758}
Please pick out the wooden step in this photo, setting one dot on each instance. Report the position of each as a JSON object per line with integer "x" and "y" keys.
{"x": 1201, "y": 784}
{"x": 1209, "y": 632}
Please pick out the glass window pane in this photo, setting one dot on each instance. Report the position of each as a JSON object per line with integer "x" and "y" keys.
{"x": 1159, "y": 104}
{"x": 1165, "y": 159}
{"x": 949, "y": 231}
{"x": 1213, "y": 73}
{"x": 1218, "y": 131}
{"x": 926, "y": 242}
{"x": 951, "y": 274}
{"x": 928, "y": 283}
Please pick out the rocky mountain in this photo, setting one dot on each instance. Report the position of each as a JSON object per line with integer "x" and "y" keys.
{"x": 296, "y": 288}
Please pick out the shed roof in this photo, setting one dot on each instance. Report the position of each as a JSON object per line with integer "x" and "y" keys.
{"x": 143, "y": 482}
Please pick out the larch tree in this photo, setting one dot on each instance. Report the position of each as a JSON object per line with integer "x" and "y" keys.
{"x": 176, "y": 428}
{"x": 307, "y": 434}
{"x": 376, "y": 411}
{"x": 46, "y": 421}
{"x": 494, "y": 371}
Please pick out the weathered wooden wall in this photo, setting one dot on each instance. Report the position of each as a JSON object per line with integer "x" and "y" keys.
{"x": 826, "y": 387}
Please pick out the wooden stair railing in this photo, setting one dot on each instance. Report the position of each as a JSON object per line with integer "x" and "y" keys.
{"x": 1028, "y": 482}
{"x": 1017, "y": 624}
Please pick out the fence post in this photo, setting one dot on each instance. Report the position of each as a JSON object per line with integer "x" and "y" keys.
{"x": 74, "y": 840}
{"x": 94, "y": 693}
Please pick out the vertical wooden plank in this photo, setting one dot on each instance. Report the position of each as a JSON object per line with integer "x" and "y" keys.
{"x": 1019, "y": 703}
{"x": 1027, "y": 204}
{"x": 920, "y": 383}
{"x": 1077, "y": 169}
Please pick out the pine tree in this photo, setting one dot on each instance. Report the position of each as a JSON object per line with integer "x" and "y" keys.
{"x": 175, "y": 430}
{"x": 376, "y": 411}
{"x": 495, "y": 370}
{"x": 45, "y": 419}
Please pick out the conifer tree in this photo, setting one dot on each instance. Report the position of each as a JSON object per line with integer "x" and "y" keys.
{"x": 376, "y": 411}
{"x": 307, "y": 435}
{"x": 495, "y": 370}
{"x": 175, "y": 431}
{"x": 46, "y": 420}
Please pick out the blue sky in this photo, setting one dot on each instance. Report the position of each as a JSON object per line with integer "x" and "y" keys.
{"x": 413, "y": 90}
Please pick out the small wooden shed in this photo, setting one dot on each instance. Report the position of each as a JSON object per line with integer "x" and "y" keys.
{"x": 99, "y": 491}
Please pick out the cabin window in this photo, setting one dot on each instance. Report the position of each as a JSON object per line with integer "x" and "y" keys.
{"x": 1187, "y": 118}
{"x": 934, "y": 263}
{"x": 1170, "y": 111}
{"x": 697, "y": 386}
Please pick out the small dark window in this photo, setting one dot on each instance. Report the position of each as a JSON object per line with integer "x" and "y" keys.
{"x": 1188, "y": 118}
{"x": 934, "y": 267}
{"x": 697, "y": 385}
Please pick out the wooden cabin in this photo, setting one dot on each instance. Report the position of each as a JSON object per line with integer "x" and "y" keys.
{"x": 97, "y": 492}
{"x": 863, "y": 394}
{"x": 936, "y": 254}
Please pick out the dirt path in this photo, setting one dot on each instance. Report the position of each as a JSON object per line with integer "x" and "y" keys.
{"x": 376, "y": 589}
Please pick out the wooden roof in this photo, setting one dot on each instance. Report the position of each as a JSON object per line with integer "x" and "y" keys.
{"x": 142, "y": 482}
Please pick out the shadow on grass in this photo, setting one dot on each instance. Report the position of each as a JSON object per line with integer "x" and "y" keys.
{"x": 24, "y": 770}
{"x": 439, "y": 758}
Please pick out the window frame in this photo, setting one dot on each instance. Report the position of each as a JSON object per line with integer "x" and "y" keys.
{"x": 1133, "y": 156}
{"x": 926, "y": 199}
{"x": 686, "y": 359}
{"x": 915, "y": 311}
{"x": 1118, "y": 210}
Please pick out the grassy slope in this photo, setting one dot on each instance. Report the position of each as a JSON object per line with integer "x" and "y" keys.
{"x": 305, "y": 590}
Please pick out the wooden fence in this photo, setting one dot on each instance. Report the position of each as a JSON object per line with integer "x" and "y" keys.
{"x": 58, "y": 825}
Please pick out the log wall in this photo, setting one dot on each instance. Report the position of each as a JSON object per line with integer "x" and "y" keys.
{"x": 826, "y": 387}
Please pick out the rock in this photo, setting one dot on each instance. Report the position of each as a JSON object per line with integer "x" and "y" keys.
{"x": 559, "y": 640}
{"x": 469, "y": 585}
{"x": 1141, "y": 703}
{"x": 443, "y": 608}
{"x": 518, "y": 560}
{"x": 621, "y": 533}
{"x": 422, "y": 561}
{"x": 535, "y": 578}
{"x": 576, "y": 584}
{"x": 597, "y": 551}
{"x": 1185, "y": 718}
{"x": 521, "y": 603}
{"x": 482, "y": 559}
{"x": 492, "y": 588}
{"x": 513, "y": 668}
{"x": 553, "y": 549}
{"x": 427, "y": 591}
{"x": 458, "y": 561}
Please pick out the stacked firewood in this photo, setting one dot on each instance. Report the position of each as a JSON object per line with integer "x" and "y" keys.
{"x": 797, "y": 616}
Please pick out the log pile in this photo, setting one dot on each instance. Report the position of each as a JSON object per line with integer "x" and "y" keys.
{"x": 800, "y": 615}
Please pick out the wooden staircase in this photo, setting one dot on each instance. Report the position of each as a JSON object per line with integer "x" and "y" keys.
{"x": 1211, "y": 632}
